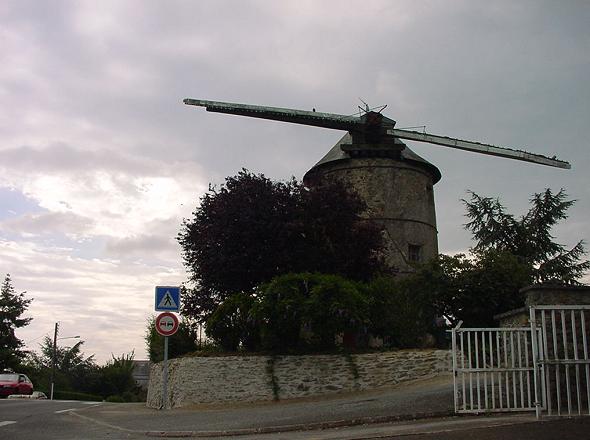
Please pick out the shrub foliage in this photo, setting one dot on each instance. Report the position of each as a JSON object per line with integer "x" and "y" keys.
{"x": 279, "y": 267}
{"x": 253, "y": 229}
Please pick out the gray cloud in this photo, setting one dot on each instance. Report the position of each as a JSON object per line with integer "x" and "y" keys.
{"x": 63, "y": 158}
{"x": 48, "y": 223}
{"x": 93, "y": 91}
{"x": 147, "y": 246}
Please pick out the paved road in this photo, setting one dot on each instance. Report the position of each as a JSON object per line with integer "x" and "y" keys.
{"x": 565, "y": 429}
{"x": 44, "y": 419}
{"x": 519, "y": 427}
{"x": 33, "y": 420}
{"x": 67, "y": 420}
{"x": 428, "y": 397}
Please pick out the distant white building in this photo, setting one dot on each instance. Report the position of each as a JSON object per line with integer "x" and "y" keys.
{"x": 141, "y": 373}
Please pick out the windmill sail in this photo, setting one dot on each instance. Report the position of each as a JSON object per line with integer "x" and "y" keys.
{"x": 316, "y": 119}
{"x": 478, "y": 147}
{"x": 396, "y": 184}
{"x": 370, "y": 128}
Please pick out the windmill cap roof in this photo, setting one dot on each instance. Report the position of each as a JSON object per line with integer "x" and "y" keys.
{"x": 337, "y": 154}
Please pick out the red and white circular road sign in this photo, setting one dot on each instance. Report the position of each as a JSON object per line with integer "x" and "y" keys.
{"x": 166, "y": 324}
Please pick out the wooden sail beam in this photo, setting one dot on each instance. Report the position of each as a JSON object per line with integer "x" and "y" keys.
{"x": 378, "y": 129}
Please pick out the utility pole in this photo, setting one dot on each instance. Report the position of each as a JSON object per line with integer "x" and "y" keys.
{"x": 53, "y": 358}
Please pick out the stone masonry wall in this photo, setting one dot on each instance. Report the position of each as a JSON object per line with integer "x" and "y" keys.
{"x": 220, "y": 379}
{"x": 211, "y": 380}
{"x": 556, "y": 294}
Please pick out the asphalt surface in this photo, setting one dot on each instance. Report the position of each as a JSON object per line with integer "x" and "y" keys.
{"x": 563, "y": 429}
{"x": 415, "y": 411}
{"x": 512, "y": 427}
{"x": 426, "y": 398}
{"x": 24, "y": 419}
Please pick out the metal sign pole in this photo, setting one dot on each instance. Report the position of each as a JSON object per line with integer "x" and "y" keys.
{"x": 165, "y": 375}
{"x": 167, "y": 300}
{"x": 53, "y": 359}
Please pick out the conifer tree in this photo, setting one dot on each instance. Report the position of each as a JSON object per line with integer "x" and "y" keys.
{"x": 529, "y": 237}
{"x": 12, "y": 307}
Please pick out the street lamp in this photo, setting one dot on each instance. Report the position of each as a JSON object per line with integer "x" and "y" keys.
{"x": 55, "y": 339}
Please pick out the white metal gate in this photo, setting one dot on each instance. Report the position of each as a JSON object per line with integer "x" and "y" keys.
{"x": 563, "y": 365}
{"x": 544, "y": 367}
{"x": 493, "y": 370}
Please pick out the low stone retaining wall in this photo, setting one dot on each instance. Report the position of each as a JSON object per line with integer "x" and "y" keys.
{"x": 255, "y": 378}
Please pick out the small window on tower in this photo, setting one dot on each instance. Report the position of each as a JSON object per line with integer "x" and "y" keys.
{"x": 414, "y": 252}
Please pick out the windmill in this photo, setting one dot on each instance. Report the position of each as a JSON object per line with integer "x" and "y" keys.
{"x": 396, "y": 183}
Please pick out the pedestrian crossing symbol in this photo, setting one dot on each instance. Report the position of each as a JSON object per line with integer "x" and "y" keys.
{"x": 167, "y": 299}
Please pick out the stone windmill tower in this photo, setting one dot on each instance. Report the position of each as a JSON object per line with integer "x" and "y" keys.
{"x": 396, "y": 183}
{"x": 398, "y": 191}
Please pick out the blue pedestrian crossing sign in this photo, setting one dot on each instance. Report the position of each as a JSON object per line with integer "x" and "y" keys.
{"x": 167, "y": 298}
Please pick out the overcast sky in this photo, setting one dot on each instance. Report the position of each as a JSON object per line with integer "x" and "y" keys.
{"x": 101, "y": 161}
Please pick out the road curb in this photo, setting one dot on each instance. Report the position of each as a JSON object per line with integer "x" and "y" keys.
{"x": 328, "y": 425}
{"x": 278, "y": 428}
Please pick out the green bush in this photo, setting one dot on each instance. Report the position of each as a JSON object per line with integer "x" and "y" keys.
{"x": 233, "y": 325}
{"x": 138, "y": 395}
{"x": 472, "y": 288}
{"x": 280, "y": 311}
{"x": 115, "y": 399}
{"x": 117, "y": 376}
{"x": 401, "y": 311}
{"x": 324, "y": 305}
{"x": 335, "y": 306}
{"x": 306, "y": 311}
{"x": 72, "y": 395}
